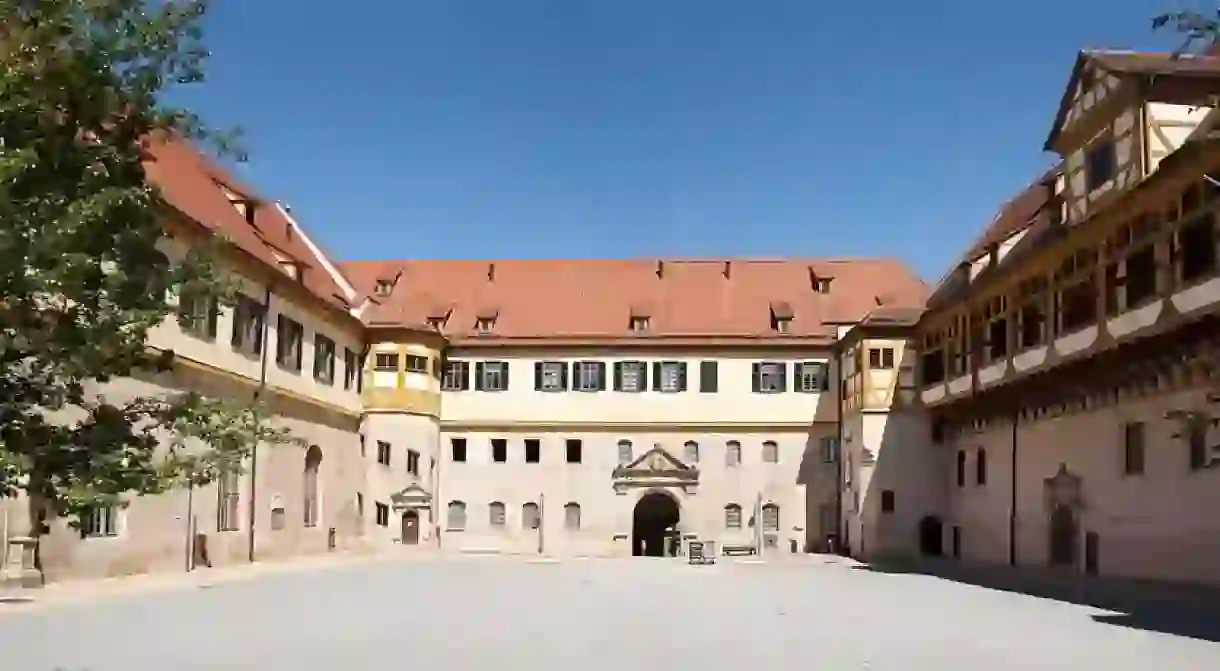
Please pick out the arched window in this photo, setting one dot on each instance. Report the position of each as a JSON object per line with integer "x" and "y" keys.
{"x": 770, "y": 452}
{"x": 980, "y": 467}
{"x": 313, "y": 459}
{"x": 732, "y": 454}
{"x": 457, "y": 516}
{"x": 732, "y": 516}
{"x": 624, "y": 452}
{"x": 529, "y": 516}
{"x": 571, "y": 516}
{"x": 691, "y": 450}
{"x": 495, "y": 514}
{"x": 961, "y": 468}
{"x": 770, "y": 515}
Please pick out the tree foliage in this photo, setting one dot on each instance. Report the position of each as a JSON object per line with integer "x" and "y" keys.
{"x": 1198, "y": 30}
{"x": 82, "y": 278}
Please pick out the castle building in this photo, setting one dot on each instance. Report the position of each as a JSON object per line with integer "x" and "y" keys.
{"x": 1055, "y": 401}
{"x": 1050, "y": 403}
{"x": 567, "y": 408}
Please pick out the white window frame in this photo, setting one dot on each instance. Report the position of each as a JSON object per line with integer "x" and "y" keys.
{"x": 671, "y": 377}
{"x": 494, "y": 370}
{"x": 635, "y": 372}
{"x": 102, "y": 522}
{"x": 813, "y": 376}
{"x": 455, "y": 516}
{"x": 770, "y": 452}
{"x": 455, "y": 376}
{"x": 551, "y": 376}
{"x": 732, "y": 516}
{"x": 625, "y": 452}
{"x": 586, "y": 376}
{"x": 732, "y": 454}
{"x": 771, "y": 377}
{"x": 770, "y": 517}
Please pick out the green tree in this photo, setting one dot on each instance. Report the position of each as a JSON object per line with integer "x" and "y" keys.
{"x": 82, "y": 279}
{"x": 1199, "y": 31}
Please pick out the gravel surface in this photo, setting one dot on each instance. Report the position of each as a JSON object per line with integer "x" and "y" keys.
{"x": 635, "y": 615}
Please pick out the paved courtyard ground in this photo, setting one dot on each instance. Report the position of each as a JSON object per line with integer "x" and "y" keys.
{"x": 491, "y": 613}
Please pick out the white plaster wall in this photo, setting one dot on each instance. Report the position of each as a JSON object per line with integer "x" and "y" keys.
{"x": 604, "y": 513}
{"x": 220, "y": 353}
{"x": 1161, "y": 525}
{"x": 403, "y": 431}
{"x": 734, "y": 402}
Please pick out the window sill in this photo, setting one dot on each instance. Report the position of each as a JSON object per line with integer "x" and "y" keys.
{"x": 288, "y": 368}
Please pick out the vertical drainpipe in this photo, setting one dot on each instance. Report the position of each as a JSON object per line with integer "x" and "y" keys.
{"x": 837, "y": 356}
{"x": 251, "y": 509}
{"x": 1012, "y": 502}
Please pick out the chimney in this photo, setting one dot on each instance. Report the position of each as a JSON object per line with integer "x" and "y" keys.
{"x": 491, "y": 272}
{"x": 728, "y": 270}
{"x": 660, "y": 269}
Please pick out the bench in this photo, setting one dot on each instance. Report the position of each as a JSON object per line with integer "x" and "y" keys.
{"x": 737, "y": 550}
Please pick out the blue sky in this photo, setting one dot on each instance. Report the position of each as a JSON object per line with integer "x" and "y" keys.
{"x": 646, "y": 128}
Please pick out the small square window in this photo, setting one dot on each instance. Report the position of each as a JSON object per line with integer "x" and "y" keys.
{"x": 385, "y": 362}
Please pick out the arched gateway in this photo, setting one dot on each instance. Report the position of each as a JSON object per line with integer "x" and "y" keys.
{"x": 654, "y": 515}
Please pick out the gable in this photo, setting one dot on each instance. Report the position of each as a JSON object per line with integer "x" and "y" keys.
{"x": 656, "y": 460}
{"x": 1089, "y": 85}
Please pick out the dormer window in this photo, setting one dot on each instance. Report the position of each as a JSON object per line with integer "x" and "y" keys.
{"x": 485, "y": 320}
{"x": 819, "y": 284}
{"x": 384, "y": 287}
{"x": 291, "y": 269}
{"x": 781, "y": 317}
{"x": 640, "y": 324}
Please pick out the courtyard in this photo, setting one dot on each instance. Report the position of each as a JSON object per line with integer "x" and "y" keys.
{"x": 485, "y": 613}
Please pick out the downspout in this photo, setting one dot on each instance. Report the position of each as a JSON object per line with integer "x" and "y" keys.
{"x": 258, "y": 394}
{"x": 1012, "y": 502}
{"x": 837, "y": 353}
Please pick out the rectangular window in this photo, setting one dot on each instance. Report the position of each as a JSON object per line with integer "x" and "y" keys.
{"x": 416, "y": 364}
{"x": 573, "y": 450}
{"x": 248, "y": 318}
{"x": 668, "y": 376}
{"x": 640, "y": 324}
{"x": 533, "y": 450}
{"x": 385, "y": 362}
{"x": 709, "y": 377}
{"x": 1196, "y": 439}
{"x": 550, "y": 376}
{"x": 289, "y": 339}
{"x": 228, "y": 498}
{"x": 499, "y": 450}
{"x": 1133, "y": 448}
{"x": 383, "y": 452}
{"x": 383, "y": 515}
{"x": 457, "y": 449}
{"x": 413, "y": 462}
{"x": 1077, "y": 306}
{"x": 1101, "y": 165}
{"x": 323, "y": 359}
{"x": 997, "y": 339}
{"x": 100, "y": 521}
{"x": 810, "y": 377}
{"x": 351, "y": 368}
{"x": 769, "y": 377}
{"x": 932, "y": 368}
{"x": 887, "y": 501}
{"x": 491, "y": 376}
{"x": 887, "y": 358}
{"x": 198, "y": 316}
{"x": 1033, "y": 320}
{"x": 1197, "y": 248}
{"x": 456, "y": 376}
{"x": 630, "y": 376}
{"x": 588, "y": 376}
{"x": 1140, "y": 279}
{"x": 830, "y": 449}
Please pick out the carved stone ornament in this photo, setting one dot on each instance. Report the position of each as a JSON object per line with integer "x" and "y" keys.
{"x": 1063, "y": 489}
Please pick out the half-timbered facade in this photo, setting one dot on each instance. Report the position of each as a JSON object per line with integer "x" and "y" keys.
{"x": 1067, "y": 366}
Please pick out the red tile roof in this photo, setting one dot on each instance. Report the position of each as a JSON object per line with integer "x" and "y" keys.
{"x": 192, "y": 184}
{"x": 549, "y": 299}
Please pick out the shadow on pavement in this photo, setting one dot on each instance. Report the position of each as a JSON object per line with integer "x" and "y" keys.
{"x": 1181, "y": 610}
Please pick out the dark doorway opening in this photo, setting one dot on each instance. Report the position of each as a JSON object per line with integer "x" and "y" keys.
{"x": 957, "y": 542}
{"x": 931, "y": 537}
{"x": 410, "y": 528}
{"x": 1063, "y": 534}
{"x": 1092, "y": 549}
{"x": 655, "y": 515}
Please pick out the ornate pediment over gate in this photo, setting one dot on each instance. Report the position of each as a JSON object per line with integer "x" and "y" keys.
{"x": 413, "y": 497}
{"x": 656, "y": 468}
